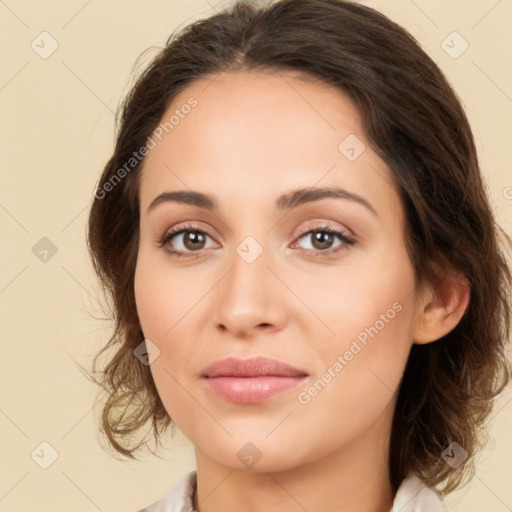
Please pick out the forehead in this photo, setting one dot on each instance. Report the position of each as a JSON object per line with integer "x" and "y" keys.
{"x": 261, "y": 132}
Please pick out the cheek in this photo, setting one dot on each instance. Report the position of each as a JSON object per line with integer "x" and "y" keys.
{"x": 168, "y": 301}
{"x": 373, "y": 292}
{"x": 160, "y": 306}
{"x": 163, "y": 296}
{"x": 368, "y": 308}
{"x": 359, "y": 370}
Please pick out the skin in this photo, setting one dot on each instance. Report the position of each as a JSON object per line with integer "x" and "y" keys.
{"x": 252, "y": 137}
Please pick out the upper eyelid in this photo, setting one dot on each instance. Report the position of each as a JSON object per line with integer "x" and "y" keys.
{"x": 197, "y": 227}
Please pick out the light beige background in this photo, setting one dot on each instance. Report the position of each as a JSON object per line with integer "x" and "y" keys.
{"x": 56, "y": 134}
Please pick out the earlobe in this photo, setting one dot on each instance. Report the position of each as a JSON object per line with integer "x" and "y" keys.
{"x": 441, "y": 308}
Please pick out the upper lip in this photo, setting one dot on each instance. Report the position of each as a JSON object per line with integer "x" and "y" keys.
{"x": 253, "y": 367}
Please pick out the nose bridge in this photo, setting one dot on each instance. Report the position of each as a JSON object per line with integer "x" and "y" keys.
{"x": 249, "y": 274}
{"x": 248, "y": 296}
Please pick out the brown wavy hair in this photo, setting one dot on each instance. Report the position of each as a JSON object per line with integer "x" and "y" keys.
{"x": 415, "y": 123}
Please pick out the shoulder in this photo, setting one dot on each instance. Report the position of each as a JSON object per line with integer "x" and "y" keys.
{"x": 414, "y": 496}
{"x": 179, "y": 499}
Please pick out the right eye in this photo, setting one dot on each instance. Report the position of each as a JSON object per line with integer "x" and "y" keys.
{"x": 190, "y": 238}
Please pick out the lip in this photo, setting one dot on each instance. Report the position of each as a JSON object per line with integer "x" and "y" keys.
{"x": 253, "y": 367}
{"x": 250, "y": 381}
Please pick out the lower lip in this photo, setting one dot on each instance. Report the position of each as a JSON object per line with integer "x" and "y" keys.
{"x": 251, "y": 390}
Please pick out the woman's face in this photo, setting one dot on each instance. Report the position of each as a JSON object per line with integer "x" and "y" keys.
{"x": 251, "y": 282}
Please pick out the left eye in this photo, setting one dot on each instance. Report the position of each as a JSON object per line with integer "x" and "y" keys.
{"x": 323, "y": 238}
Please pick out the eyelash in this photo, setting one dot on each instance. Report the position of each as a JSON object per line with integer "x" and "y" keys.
{"x": 325, "y": 228}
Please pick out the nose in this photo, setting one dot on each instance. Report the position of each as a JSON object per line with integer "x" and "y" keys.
{"x": 250, "y": 298}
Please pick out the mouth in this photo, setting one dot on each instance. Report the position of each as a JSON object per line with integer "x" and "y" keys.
{"x": 251, "y": 381}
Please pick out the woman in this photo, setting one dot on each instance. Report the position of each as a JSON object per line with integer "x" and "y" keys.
{"x": 305, "y": 270}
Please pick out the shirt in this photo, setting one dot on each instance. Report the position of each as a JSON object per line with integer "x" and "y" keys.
{"x": 412, "y": 496}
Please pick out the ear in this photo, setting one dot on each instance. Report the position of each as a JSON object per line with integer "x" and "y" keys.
{"x": 441, "y": 307}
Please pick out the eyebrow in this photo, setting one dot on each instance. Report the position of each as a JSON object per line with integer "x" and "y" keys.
{"x": 286, "y": 201}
